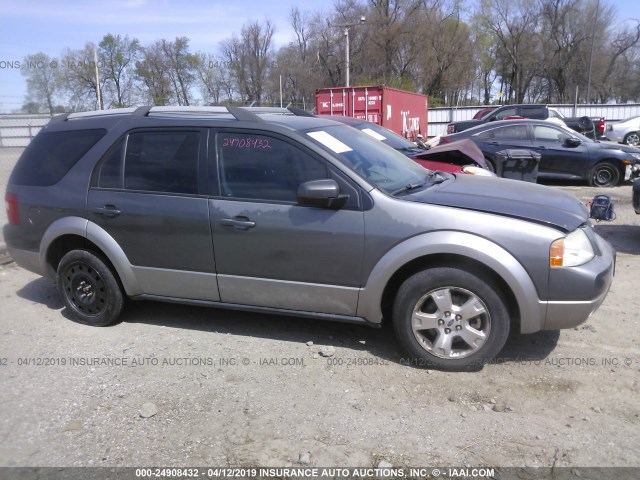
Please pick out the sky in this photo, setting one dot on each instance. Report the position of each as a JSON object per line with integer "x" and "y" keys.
{"x": 50, "y": 26}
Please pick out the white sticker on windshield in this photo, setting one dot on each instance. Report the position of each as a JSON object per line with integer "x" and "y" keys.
{"x": 373, "y": 134}
{"x": 330, "y": 141}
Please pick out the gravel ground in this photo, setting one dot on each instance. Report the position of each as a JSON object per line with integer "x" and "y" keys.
{"x": 185, "y": 386}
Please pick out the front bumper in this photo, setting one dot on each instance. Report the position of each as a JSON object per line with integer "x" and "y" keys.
{"x": 591, "y": 280}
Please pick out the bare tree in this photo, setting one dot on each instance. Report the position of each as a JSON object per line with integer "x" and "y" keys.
{"x": 42, "y": 74}
{"x": 117, "y": 61}
{"x": 152, "y": 72}
{"x": 249, "y": 57}
{"x": 512, "y": 23}
{"x": 78, "y": 74}
{"x": 181, "y": 66}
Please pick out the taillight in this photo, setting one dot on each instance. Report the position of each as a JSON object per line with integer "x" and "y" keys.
{"x": 11, "y": 201}
{"x": 601, "y": 125}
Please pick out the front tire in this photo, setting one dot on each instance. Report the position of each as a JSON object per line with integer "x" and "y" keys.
{"x": 450, "y": 319}
{"x": 89, "y": 288}
{"x": 605, "y": 174}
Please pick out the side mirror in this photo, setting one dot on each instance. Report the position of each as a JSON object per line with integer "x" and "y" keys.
{"x": 322, "y": 194}
{"x": 572, "y": 142}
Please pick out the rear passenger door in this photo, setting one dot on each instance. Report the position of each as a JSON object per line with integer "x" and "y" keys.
{"x": 149, "y": 194}
{"x": 269, "y": 250}
{"x": 502, "y": 137}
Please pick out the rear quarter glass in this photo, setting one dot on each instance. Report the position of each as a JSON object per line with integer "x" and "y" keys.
{"x": 51, "y": 155}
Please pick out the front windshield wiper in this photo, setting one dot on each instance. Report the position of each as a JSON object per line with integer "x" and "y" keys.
{"x": 407, "y": 188}
{"x": 433, "y": 178}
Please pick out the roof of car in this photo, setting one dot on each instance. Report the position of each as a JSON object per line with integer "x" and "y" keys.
{"x": 290, "y": 118}
{"x": 505, "y": 123}
{"x": 345, "y": 120}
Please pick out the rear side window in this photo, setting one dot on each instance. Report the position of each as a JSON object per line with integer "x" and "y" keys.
{"x": 152, "y": 161}
{"x": 50, "y": 155}
{"x": 533, "y": 112}
{"x": 511, "y": 132}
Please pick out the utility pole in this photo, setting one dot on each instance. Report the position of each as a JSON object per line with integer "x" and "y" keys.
{"x": 98, "y": 92}
{"x": 593, "y": 35}
{"x": 346, "y": 27}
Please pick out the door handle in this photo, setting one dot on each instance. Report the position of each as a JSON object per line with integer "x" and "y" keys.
{"x": 107, "y": 211}
{"x": 542, "y": 147}
{"x": 238, "y": 223}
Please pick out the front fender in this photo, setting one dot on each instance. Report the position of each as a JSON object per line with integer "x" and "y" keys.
{"x": 479, "y": 249}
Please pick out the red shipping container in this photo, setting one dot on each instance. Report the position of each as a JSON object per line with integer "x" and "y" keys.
{"x": 398, "y": 110}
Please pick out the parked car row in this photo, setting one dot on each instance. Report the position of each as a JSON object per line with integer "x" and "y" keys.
{"x": 302, "y": 216}
{"x": 591, "y": 127}
{"x": 565, "y": 154}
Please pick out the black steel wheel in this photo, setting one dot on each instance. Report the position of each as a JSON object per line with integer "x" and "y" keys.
{"x": 89, "y": 288}
{"x": 605, "y": 174}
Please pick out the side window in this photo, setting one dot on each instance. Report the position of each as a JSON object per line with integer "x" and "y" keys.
{"x": 162, "y": 162}
{"x": 51, "y": 155}
{"x": 265, "y": 168}
{"x": 109, "y": 171}
{"x": 554, "y": 113}
{"x": 151, "y": 161}
{"x": 512, "y": 132}
{"x": 547, "y": 134}
{"x": 533, "y": 112}
{"x": 507, "y": 112}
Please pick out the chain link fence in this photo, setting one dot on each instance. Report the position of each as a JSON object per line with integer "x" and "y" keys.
{"x": 16, "y": 131}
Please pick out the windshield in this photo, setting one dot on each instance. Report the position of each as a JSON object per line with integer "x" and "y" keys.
{"x": 573, "y": 133}
{"x": 386, "y": 136}
{"x": 486, "y": 115}
{"x": 379, "y": 164}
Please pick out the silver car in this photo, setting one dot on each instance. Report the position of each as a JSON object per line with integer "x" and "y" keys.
{"x": 627, "y": 131}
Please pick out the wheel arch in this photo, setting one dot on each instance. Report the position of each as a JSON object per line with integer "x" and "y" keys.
{"x": 466, "y": 251}
{"x": 452, "y": 261}
{"x": 71, "y": 233}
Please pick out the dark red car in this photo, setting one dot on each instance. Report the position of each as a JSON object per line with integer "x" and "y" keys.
{"x": 451, "y": 158}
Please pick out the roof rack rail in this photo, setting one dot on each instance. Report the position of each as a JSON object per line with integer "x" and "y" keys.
{"x": 278, "y": 111}
{"x": 235, "y": 112}
{"x": 249, "y": 114}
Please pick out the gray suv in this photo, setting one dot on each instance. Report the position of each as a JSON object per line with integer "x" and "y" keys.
{"x": 300, "y": 216}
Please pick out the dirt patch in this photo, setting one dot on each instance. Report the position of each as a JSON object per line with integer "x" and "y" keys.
{"x": 175, "y": 385}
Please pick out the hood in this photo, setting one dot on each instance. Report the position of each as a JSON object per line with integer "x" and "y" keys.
{"x": 511, "y": 198}
{"x": 618, "y": 146}
{"x": 461, "y": 152}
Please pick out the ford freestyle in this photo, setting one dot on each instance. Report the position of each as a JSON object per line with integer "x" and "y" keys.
{"x": 300, "y": 216}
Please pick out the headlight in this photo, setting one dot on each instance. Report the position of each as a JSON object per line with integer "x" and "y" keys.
{"x": 482, "y": 172}
{"x": 636, "y": 156}
{"x": 572, "y": 250}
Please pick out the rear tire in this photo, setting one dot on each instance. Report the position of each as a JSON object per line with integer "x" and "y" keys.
{"x": 605, "y": 174}
{"x": 450, "y": 319}
{"x": 89, "y": 288}
{"x": 632, "y": 138}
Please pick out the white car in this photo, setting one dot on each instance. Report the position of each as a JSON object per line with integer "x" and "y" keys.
{"x": 627, "y": 131}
